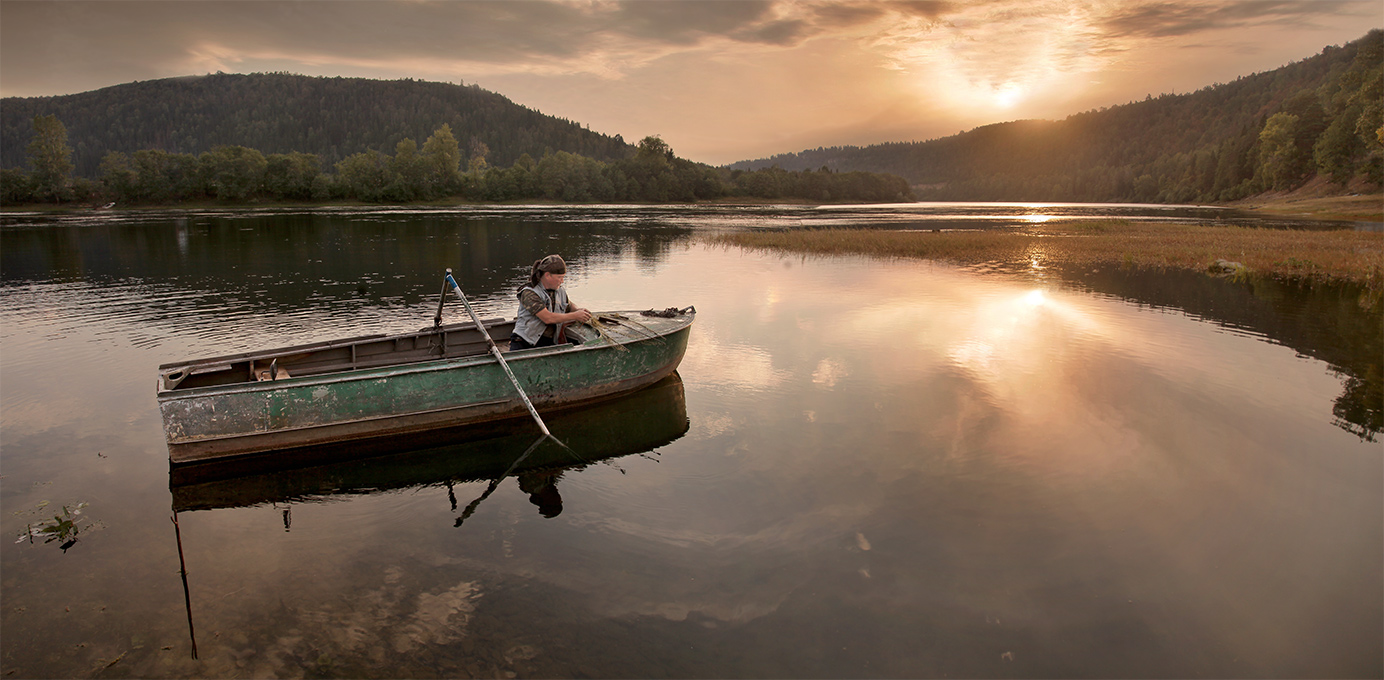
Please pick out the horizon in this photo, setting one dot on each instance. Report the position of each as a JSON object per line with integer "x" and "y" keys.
{"x": 720, "y": 82}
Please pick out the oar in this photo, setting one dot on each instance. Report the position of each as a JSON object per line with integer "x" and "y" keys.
{"x": 495, "y": 483}
{"x": 498, "y": 357}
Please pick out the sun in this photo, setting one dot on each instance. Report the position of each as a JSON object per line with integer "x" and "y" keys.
{"x": 1007, "y": 95}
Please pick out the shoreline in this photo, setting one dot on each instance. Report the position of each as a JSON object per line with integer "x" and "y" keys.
{"x": 1366, "y": 207}
{"x": 215, "y": 205}
{"x": 1237, "y": 252}
{"x": 1360, "y": 208}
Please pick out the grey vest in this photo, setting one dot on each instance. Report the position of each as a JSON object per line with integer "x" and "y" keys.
{"x": 528, "y": 326}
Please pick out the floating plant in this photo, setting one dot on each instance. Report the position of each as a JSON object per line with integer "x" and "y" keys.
{"x": 62, "y": 527}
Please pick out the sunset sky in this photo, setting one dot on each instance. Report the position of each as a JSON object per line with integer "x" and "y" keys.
{"x": 721, "y": 80}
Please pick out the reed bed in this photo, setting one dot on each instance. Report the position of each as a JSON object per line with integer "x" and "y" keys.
{"x": 1310, "y": 255}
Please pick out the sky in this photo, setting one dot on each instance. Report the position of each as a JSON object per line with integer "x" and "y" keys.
{"x": 719, "y": 80}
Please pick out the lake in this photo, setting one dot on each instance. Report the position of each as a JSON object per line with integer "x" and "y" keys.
{"x": 863, "y": 468}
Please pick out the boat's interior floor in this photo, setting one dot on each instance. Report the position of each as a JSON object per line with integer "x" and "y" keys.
{"x": 429, "y": 344}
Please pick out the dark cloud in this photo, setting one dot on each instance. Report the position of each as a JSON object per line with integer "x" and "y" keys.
{"x": 928, "y": 9}
{"x": 848, "y": 14}
{"x": 1187, "y": 17}
{"x": 684, "y": 22}
{"x": 785, "y": 33}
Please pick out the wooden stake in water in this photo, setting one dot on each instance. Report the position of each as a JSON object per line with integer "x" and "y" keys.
{"x": 187, "y": 595}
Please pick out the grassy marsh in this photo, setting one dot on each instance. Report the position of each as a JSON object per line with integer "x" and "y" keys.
{"x": 1310, "y": 255}
{"x": 1320, "y": 200}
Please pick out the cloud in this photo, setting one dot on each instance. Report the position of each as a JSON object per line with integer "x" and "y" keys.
{"x": 1189, "y": 17}
{"x": 993, "y": 41}
{"x": 606, "y": 37}
{"x": 682, "y": 22}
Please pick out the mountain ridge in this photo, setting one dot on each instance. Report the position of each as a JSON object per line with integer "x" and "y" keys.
{"x": 1203, "y": 145}
{"x": 332, "y": 117}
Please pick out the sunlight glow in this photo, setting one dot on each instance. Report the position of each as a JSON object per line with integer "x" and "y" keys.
{"x": 1014, "y": 337}
{"x": 1007, "y": 95}
{"x": 992, "y": 58}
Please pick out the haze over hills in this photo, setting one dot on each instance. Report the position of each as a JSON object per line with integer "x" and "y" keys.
{"x": 283, "y": 113}
{"x": 1271, "y": 130}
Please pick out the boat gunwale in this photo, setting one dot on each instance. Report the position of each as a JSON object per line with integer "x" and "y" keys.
{"x": 374, "y": 373}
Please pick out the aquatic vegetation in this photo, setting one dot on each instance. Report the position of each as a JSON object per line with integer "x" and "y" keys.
{"x": 598, "y": 320}
{"x": 1293, "y": 254}
{"x": 63, "y": 527}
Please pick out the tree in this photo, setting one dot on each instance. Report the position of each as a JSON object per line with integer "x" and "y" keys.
{"x": 1339, "y": 148}
{"x": 441, "y": 159}
{"x": 151, "y": 175}
{"x": 653, "y": 147}
{"x": 1370, "y": 126}
{"x": 50, "y": 159}
{"x": 408, "y": 172}
{"x": 291, "y": 175}
{"x": 117, "y": 176}
{"x": 1280, "y": 159}
{"x": 233, "y": 173}
{"x": 14, "y": 187}
{"x": 365, "y": 175}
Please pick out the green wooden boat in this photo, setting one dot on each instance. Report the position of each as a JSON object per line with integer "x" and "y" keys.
{"x": 381, "y": 386}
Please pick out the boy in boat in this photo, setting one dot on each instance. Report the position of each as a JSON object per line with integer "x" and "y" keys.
{"x": 544, "y": 309}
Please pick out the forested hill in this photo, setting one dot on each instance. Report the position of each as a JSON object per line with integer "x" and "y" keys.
{"x": 1272, "y": 130}
{"x": 281, "y": 113}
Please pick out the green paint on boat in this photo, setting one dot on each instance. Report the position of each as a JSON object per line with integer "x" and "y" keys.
{"x": 377, "y": 386}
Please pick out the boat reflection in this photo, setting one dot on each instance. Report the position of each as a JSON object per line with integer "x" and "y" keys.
{"x": 630, "y": 425}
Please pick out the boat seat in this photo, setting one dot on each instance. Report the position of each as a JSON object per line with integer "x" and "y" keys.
{"x": 263, "y": 373}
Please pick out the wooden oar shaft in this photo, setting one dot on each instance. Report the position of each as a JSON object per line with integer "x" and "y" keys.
{"x": 494, "y": 350}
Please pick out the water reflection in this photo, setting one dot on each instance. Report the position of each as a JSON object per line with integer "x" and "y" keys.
{"x": 254, "y": 264}
{"x": 635, "y": 424}
{"x": 1338, "y": 323}
{"x": 895, "y": 469}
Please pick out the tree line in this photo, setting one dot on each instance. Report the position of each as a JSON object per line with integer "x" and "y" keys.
{"x": 1269, "y": 131}
{"x": 432, "y": 172}
{"x": 331, "y": 118}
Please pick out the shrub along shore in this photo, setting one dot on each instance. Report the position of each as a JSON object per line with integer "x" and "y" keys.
{"x": 1314, "y": 256}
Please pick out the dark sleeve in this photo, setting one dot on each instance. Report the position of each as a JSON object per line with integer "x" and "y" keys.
{"x": 529, "y": 300}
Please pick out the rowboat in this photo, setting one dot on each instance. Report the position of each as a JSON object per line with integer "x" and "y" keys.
{"x": 377, "y": 386}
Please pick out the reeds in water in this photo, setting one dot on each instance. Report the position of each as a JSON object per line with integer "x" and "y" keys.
{"x": 1311, "y": 255}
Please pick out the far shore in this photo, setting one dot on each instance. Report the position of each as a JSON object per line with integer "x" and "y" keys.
{"x": 1314, "y": 256}
{"x": 224, "y": 205}
{"x": 1367, "y": 207}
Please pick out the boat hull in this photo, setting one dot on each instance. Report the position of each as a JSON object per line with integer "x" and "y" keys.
{"x": 630, "y": 424}
{"x": 229, "y": 420}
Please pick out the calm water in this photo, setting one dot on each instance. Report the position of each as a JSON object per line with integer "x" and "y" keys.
{"x": 865, "y": 468}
